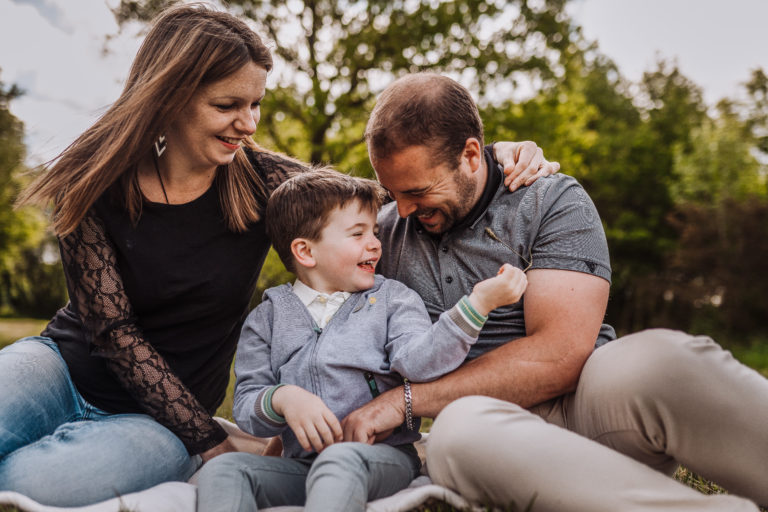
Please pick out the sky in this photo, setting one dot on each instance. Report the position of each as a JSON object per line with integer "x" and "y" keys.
{"x": 55, "y": 51}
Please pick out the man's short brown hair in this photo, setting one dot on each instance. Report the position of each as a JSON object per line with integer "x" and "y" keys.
{"x": 423, "y": 109}
{"x": 300, "y": 207}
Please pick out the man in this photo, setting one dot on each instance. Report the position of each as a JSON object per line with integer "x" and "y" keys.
{"x": 550, "y": 409}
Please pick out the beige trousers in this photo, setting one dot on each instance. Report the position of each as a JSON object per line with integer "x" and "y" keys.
{"x": 644, "y": 404}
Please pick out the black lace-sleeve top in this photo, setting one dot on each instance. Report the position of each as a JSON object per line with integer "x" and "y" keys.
{"x": 155, "y": 309}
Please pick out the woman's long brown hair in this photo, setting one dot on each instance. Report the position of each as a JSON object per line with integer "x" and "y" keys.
{"x": 187, "y": 47}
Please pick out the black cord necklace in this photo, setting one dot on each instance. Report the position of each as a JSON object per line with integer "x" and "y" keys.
{"x": 159, "y": 177}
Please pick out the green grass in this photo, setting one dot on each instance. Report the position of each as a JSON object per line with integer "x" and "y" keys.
{"x": 12, "y": 329}
{"x": 754, "y": 355}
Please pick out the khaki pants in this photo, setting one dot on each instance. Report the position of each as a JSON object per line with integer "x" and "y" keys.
{"x": 644, "y": 404}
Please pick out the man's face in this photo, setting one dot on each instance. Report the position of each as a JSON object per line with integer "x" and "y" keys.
{"x": 437, "y": 195}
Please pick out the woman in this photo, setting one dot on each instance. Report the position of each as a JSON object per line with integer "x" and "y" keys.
{"x": 157, "y": 209}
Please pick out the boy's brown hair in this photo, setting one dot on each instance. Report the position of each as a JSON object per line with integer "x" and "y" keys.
{"x": 300, "y": 207}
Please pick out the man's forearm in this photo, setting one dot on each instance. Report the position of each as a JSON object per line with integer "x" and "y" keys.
{"x": 522, "y": 371}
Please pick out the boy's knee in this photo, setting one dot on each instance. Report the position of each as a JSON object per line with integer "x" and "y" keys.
{"x": 343, "y": 454}
{"x": 226, "y": 465}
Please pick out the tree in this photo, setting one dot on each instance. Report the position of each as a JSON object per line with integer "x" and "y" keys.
{"x": 28, "y": 284}
{"x": 333, "y": 57}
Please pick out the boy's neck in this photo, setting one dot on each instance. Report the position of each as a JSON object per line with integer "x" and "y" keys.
{"x": 317, "y": 285}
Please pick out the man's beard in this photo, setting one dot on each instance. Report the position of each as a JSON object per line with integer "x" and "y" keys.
{"x": 456, "y": 209}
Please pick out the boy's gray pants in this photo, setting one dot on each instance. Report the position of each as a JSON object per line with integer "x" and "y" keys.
{"x": 644, "y": 404}
{"x": 342, "y": 478}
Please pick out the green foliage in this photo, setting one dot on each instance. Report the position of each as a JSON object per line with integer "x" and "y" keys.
{"x": 333, "y": 57}
{"x": 27, "y": 284}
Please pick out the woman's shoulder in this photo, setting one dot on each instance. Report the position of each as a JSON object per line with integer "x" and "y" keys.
{"x": 274, "y": 168}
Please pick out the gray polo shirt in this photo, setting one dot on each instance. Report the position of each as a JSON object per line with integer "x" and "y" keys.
{"x": 553, "y": 223}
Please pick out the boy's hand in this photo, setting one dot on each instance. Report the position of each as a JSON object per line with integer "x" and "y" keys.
{"x": 313, "y": 423}
{"x": 506, "y": 288}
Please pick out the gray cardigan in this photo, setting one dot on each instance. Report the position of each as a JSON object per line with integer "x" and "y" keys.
{"x": 384, "y": 330}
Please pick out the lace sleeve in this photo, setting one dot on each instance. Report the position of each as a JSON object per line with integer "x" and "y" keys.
{"x": 275, "y": 167}
{"x": 98, "y": 297}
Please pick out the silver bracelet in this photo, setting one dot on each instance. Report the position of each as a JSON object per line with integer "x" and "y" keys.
{"x": 408, "y": 404}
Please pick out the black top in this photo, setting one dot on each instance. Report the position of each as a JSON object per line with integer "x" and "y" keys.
{"x": 156, "y": 308}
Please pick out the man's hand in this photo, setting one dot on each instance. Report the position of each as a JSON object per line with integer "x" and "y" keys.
{"x": 377, "y": 419}
{"x": 505, "y": 288}
{"x": 223, "y": 447}
{"x": 523, "y": 163}
{"x": 313, "y": 423}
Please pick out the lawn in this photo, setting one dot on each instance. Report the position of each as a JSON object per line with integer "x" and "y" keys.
{"x": 754, "y": 355}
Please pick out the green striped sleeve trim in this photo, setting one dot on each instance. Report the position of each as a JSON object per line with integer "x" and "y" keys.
{"x": 264, "y": 408}
{"x": 471, "y": 313}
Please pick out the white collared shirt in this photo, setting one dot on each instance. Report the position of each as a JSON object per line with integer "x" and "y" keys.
{"x": 321, "y": 306}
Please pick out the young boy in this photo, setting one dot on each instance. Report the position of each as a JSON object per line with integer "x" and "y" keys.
{"x": 313, "y": 352}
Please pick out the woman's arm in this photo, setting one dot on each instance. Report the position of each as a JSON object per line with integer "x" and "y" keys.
{"x": 97, "y": 295}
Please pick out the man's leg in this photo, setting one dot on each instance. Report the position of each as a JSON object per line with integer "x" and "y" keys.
{"x": 495, "y": 452}
{"x": 665, "y": 397}
{"x": 345, "y": 476}
{"x": 244, "y": 482}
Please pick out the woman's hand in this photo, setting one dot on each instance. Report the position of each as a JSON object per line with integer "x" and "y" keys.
{"x": 313, "y": 423}
{"x": 223, "y": 447}
{"x": 523, "y": 163}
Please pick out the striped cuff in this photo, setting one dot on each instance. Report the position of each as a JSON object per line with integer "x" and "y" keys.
{"x": 467, "y": 317}
{"x": 263, "y": 408}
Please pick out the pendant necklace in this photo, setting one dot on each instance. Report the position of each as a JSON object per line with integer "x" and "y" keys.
{"x": 159, "y": 177}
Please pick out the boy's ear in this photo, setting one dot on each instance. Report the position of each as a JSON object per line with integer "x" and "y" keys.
{"x": 301, "y": 248}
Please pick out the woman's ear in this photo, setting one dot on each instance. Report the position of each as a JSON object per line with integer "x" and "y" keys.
{"x": 301, "y": 248}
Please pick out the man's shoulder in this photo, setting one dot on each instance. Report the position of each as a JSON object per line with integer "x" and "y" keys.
{"x": 549, "y": 187}
{"x": 388, "y": 215}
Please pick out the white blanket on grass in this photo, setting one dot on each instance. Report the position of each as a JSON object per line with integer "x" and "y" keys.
{"x": 181, "y": 497}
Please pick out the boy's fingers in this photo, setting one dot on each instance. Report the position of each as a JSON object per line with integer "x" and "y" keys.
{"x": 334, "y": 425}
{"x": 325, "y": 433}
{"x": 314, "y": 438}
{"x": 301, "y": 437}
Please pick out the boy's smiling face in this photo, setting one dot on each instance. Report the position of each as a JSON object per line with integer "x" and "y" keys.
{"x": 346, "y": 254}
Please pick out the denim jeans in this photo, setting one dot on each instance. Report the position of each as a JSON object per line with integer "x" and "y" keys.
{"x": 342, "y": 478}
{"x": 60, "y": 450}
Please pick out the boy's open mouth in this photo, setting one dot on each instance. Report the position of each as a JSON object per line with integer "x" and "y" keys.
{"x": 368, "y": 265}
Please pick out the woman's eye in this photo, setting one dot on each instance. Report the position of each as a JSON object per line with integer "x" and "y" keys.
{"x": 225, "y": 107}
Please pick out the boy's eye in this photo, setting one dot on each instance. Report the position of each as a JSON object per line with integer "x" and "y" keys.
{"x": 357, "y": 233}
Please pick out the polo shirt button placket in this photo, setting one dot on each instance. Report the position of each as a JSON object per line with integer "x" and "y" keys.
{"x": 448, "y": 279}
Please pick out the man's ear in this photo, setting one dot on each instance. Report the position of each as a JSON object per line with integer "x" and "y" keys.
{"x": 473, "y": 154}
{"x": 301, "y": 248}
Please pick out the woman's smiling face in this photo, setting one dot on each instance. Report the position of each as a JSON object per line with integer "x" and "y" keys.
{"x": 212, "y": 126}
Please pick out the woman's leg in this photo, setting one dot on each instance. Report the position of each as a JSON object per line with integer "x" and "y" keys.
{"x": 37, "y": 394}
{"x": 244, "y": 482}
{"x": 84, "y": 462}
{"x": 345, "y": 476}
{"x": 59, "y": 450}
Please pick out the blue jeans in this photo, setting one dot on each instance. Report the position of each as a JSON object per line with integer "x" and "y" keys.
{"x": 60, "y": 450}
{"x": 342, "y": 478}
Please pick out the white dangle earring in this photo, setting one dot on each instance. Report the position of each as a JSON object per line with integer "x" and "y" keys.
{"x": 160, "y": 145}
